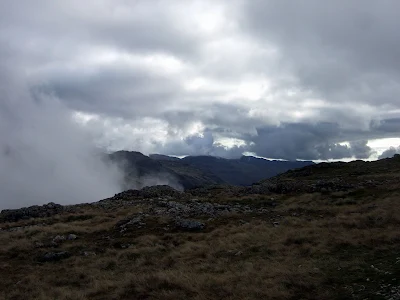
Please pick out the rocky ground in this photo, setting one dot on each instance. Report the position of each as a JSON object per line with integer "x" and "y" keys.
{"x": 316, "y": 237}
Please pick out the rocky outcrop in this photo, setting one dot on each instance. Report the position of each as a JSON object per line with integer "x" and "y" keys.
{"x": 148, "y": 192}
{"x": 36, "y": 211}
{"x": 191, "y": 225}
{"x": 183, "y": 214}
{"x": 54, "y": 256}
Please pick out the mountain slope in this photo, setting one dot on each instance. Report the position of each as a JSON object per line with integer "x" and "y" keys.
{"x": 244, "y": 171}
{"x": 196, "y": 171}
{"x": 336, "y": 177}
{"x": 190, "y": 176}
{"x": 226, "y": 243}
{"x": 141, "y": 170}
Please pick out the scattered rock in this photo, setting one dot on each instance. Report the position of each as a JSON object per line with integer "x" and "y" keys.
{"x": 192, "y": 209}
{"x": 188, "y": 224}
{"x": 89, "y": 253}
{"x": 133, "y": 221}
{"x": 57, "y": 240}
{"x": 54, "y": 256}
{"x": 39, "y": 245}
{"x": 72, "y": 237}
{"x": 36, "y": 211}
{"x": 119, "y": 245}
{"x": 148, "y": 192}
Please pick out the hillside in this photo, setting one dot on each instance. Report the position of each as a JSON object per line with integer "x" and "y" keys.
{"x": 338, "y": 176}
{"x": 141, "y": 170}
{"x": 189, "y": 176}
{"x": 243, "y": 171}
{"x": 196, "y": 171}
{"x": 327, "y": 231}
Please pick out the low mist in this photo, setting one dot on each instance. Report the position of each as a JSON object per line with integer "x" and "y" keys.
{"x": 139, "y": 182}
{"x": 139, "y": 173}
{"x": 44, "y": 155}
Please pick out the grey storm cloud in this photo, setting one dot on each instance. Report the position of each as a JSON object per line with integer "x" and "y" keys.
{"x": 390, "y": 152}
{"x": 306, "y": 141}
{"x": 291, "y": 141}
{"x": 309, "y": 80}
{"x": 347, "y": 50}
{"x": 114, "y": 91}
{"x": 387, "y": 126}
{"x": 203, "y": 144}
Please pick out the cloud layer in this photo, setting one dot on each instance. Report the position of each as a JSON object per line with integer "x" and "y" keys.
{"x": 279, "y": 79}
{"x": 44, "y": 156}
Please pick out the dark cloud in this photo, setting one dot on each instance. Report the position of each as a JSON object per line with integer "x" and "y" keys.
{"x": 314, "y": 80}
{"x": 115, "y": 91}
{"x": 291, "y": 141}
{"x": 226, "y": 119}
{"x": 201, "y": 144}
{"x": 318, "y": 141}
{"x": 390, "y": 152}
{"x": 344, "y": 50}
{"x": 387, "y": 126}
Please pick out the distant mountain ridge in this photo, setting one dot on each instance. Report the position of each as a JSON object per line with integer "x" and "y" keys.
{"x": 245, "y": 170}
{"x": 196, "y": 171}
{"x": 141, "y": 170}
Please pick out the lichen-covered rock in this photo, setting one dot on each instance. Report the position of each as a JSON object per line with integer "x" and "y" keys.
{"x": 58, "y": 239}
{"x": 160, "y": 191}
{"x": 54, "y": 256}
{"x": 72, "y": 237}
{"x": 188, "y": 224}
{"x": 36, "y": 211}
{"x": 156, "y": 191}
{"x": 135, "y": 221}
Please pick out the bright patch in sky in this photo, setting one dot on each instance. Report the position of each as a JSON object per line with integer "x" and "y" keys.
{"x": 381, "y": 145}
{"x": 230, "y": 142}
{"x": 195, "y": 128}
{"x": 84, "y": 118}
{"x": 252, "y": 89}
{"x": 194, "y": 84}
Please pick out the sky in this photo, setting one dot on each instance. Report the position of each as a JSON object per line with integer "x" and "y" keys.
{"x": 44, "y": 157}
{"x": 311, "y": 80}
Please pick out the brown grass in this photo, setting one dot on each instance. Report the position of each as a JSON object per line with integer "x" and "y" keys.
{"x": 322, "y": 249}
